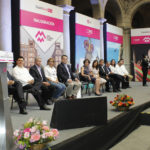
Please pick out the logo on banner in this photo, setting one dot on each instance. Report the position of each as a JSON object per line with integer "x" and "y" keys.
{"x": 116, "y": 38}
{"x": 146, "y": 39}
{"x": 45, "y": 9}
{"x": 40, "y": 36}
{"x": 89, "y": 32}
{"x": 88, "y": 21}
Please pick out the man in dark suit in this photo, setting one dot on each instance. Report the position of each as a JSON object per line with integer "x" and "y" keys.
{"x": 144, "y": 65}
{"x": 15, "y": 88}
{"x": 116, "y": 77}
{"x": 65, "y": 76}
{"x": 41, "y": 81}
{"x": 103, "y": 74}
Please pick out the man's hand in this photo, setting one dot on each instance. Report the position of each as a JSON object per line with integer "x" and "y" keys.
{"x": 46, "y": 83}
{"x": 11, "y": 82}
{"x": 107, "y": 77}
{"x": 31, "y": 81}
{"x": 69, "y": 80}
{"x": 77, "y": 80}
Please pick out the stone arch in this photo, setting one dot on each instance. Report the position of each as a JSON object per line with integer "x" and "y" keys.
{"x": 114, "y": 8}
{"x": 136, "y": 7}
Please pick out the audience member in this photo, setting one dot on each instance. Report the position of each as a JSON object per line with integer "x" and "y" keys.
{"x": 65, "y": 76}
{"x": 15, "y": 88}
{"x": 51, "y": 75}
{"x": 22, "y": 74}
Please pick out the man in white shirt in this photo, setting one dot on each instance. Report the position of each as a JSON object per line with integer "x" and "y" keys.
{"x": 120, "y": 71}
{"x": 124, "y": 70}
{"x": 22, "y": 74}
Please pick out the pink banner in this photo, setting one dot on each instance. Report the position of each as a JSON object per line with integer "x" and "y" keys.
{"x": 111, "y": 37}
{"x": 87, "y": 31}
{"x": 40, "y": 21}
{"x": 140, "y": 40}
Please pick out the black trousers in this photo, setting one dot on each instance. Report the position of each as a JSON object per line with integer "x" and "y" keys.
{"x": 17, "y": 91}
{"x": 110, "y": 80}
{"x": 35, "y": 91}
{"x": 117, "y": 78}
{"x": 125, "y": 82}
{"x": 145, "y": 71}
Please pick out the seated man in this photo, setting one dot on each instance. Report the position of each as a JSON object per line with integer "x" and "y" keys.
{"x": 125, "y": 70}
{"x": 15, "y": 88}
{"x": 22, "y": 74}
{"x": 65, "y": 76}
{"x": 103, "y": 74}
{"x": 38, "y": 74}
{"x": 125, "y": 83}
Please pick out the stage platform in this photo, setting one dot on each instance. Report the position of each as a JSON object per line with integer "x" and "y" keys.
{"x": 139, "y": 93}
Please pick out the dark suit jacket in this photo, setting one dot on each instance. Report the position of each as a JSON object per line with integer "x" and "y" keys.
{"x": 36, "y": 75}
{"x": 62, "y": 73}
{"x": 102, "y": 72}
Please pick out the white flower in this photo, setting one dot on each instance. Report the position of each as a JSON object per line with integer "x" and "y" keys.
{"x": 43, "y": 136}
{"x": 26, "y": 135}
{"x": 16, "y": 132}
{"x": 44, "y": 122}
{"x": 33, "y": 129}
{"x": 30, "y": 120}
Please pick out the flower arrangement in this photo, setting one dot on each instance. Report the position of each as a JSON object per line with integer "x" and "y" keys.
{"x": 122, "y": 101}
{"x": 34, "y": 132}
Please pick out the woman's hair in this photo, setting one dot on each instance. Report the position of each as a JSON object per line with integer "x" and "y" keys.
{"x": 50, "y": 60}
{"x": 112, "y": 61}
{"x": 94, "y": 63}
{"x": 86, "y": 61}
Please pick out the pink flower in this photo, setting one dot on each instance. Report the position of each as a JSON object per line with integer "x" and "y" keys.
{"x": 30, "y": 120}
{"x": 33, "y": 129}
{"x": 26, "y": 135}
{"x": 16, "y": 132}
{"x": 49, "y": 134}
{"x": 35, "y": 137}
{"x": 55, "y": 131}
{"x": 46, "y": 128}
{"x": 27, "y": 130}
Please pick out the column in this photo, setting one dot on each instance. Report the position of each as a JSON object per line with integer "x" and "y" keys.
{"x": 5, "y": 25}
{"x": 66, "y": 29}
{"x": 102, "y": 21}
{"x": 63, "y": 2}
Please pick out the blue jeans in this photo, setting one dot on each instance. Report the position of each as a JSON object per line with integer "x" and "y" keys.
{"x": 59, "y": 89}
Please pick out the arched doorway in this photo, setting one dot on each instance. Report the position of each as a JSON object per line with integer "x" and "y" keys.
{"x": 141, "y": 18}
{"x": 83, "y": 7}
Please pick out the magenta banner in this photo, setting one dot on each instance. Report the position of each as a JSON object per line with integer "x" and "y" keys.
{"x": 86, "y": 31}
{"x": 111, "y": 37}
{"x": 32, "y": 19}
{"x": 140, "y": 40}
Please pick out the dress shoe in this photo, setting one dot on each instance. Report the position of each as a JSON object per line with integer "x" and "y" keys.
{"x": 23, "y": 111}
{"x": 115, "y": 90}
{"x": 118, "y": 90}
{"x": 44, "y": 107}
{"x": 69, "y": 97}
{"x": 73, "y": 97}
{"x": 107, "y": 90}
{"x": 98, "y": 94}
{"x": 145, "y": 85}
{"x": 49, "y": 102}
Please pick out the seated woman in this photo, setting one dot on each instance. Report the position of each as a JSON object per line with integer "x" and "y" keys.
{"x": 87, "y": 75}
{"x": 95, "y": 71}
{"x": 51, "y": 75}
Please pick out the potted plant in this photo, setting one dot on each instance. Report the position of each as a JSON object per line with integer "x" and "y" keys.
{"x": 34, "y": 135}
{"x": 122, "y": 102}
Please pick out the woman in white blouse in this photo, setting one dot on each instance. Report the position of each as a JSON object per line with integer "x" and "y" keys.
{"x": 51, "y": 75}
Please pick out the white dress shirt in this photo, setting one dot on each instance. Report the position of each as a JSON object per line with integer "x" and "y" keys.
{"x": 22, "y": 74}
{"x": 50, "y": 72}
{"x": 113, "y": 69}
{"x": 124, "y": 70}
{"x": 119, "y": 70}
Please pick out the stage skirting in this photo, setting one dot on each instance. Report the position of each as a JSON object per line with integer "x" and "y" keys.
{"x": 104, "y": 137}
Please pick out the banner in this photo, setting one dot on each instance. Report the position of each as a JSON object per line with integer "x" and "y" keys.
{"x": 41, "y": 31}
{"x": 87, "y": 40}
{"x": 140, "y": 45}
{"x": 114, "y": 40}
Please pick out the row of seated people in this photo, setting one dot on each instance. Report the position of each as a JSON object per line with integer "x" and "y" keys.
{"x": 108, "y": 74}
{"x": 46, "y": 85}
